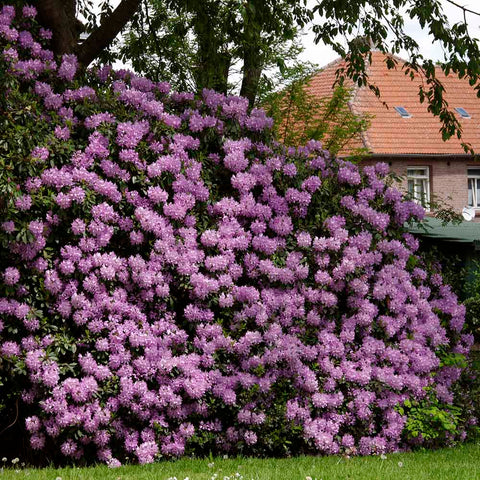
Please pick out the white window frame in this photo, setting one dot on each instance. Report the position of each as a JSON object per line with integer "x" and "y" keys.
{"x": 473, "y": 179}
{"x": 416, "y": 182}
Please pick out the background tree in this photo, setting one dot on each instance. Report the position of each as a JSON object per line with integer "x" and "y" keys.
{"x": 299, "y": 116}
{"x": 158, "y": 45}
{"x": 204, "y": 43}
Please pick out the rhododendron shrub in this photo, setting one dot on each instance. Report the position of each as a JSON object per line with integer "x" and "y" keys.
{"x": 174, "y": 281}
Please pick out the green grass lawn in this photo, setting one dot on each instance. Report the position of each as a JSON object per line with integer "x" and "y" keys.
{"x": 460, "y": 463}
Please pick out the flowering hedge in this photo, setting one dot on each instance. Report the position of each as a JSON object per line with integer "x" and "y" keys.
{"x": 175, "y": 281}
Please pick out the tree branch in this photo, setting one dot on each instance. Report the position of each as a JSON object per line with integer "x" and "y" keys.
{"x": 465, "y": 9}
{"x": 104, "y": 35}
{"x": 153, "y": 34}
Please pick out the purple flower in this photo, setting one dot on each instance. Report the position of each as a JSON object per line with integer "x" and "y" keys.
{"x": 29, "y": 12}
{"x": 250, "y": 437}
{"x": 129, "y": 134}
{"x": 282, "y": 225}
{"x": 25, "y": 39}
{"x": 11, "y": 276}
{"x": 290, "y": 169}
{"x": 10, "y": 349}
{"x": 78, "y": 226}
{"x": 10, "y": 54}
{"x": 235, "y": 159}
{"x": 45, "y": 34}
{"x": 146, "y": 452}
{"x": 69, "y": 448}
{"x": 62, "y": 133}
{"x": 37, "y": 441}
{"x": 68, "y": 67}
{"x": 8, "y": 226}
{"x": 40, "y": 153}
{"x": 24, "y": 202}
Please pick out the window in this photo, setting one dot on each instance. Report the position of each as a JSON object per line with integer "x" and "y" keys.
{"x": 403, "y": 112}
{"x": 462, "y": 112}
{"x": 418, "y": 180}
{"x": 473, "y": 175}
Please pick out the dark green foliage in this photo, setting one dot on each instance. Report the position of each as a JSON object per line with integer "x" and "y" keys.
{"x": 472, "y": 316}
{"x": 467, "y": 391}
{"x": 471, "y": 293}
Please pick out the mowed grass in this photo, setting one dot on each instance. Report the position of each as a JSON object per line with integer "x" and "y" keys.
{"x": 460, "y": 463}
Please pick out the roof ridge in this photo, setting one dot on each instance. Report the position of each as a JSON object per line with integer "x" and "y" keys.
{"x": 328, "y": 65}
{"x": 396, "y": 57}
{"x": 353, "y": 108}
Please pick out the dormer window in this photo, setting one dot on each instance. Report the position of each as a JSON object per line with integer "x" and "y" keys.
{"x": 462, "y": 112}
{"x": 403, "y": 112}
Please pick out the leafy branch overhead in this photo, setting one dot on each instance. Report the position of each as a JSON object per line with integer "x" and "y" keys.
{"x": 382, "y": 24}
{"x": 206, "y": 44}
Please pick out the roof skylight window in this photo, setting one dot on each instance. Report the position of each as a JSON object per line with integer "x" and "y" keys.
{"x": 403, "y": 112}
{"x": 462, "y": 112}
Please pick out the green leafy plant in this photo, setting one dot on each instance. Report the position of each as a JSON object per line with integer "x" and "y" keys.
{"x": 300, "y": 116}
{"x": 431, "y": 421}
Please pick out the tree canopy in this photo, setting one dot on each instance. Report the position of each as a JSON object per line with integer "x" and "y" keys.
{"x": 204, "y": 42}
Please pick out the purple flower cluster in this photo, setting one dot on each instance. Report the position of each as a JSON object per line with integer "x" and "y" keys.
{"x": 208, "y": 286}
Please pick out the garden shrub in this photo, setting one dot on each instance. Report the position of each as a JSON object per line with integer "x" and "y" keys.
{"x": 174, "y": 281}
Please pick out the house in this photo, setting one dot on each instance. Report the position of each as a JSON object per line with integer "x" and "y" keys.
{"x": 405, "y": 135}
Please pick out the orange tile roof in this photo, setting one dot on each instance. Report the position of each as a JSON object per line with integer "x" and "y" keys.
{"x": 389, "y": 133}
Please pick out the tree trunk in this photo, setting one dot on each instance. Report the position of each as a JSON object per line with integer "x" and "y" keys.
{"x": 213, "y": 63}
{"x": 104, "y": 35}
{"x": 252, "y": 71}
{"x": 252, "y": 51}
{"x": 59, "y": 17}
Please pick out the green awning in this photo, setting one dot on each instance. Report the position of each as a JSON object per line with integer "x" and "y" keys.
{"x": 465, "y": 232}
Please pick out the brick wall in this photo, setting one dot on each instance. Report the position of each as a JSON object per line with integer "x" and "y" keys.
{"x": 448, "y": 177}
